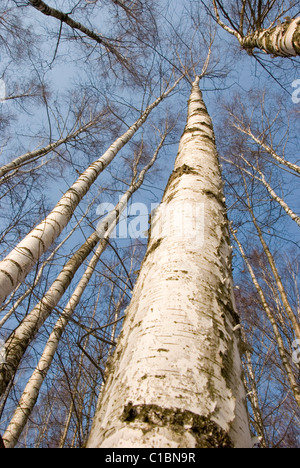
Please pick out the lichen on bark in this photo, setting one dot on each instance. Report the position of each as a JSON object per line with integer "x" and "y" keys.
{"x": 207, "y": 434}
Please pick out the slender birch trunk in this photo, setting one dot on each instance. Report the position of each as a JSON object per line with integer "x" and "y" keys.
{"x": 282, "y": 40}
{"x": 176, "y": 376}
{"x": 19, "y": 262}
{"x": 32, "y": 389}
{"x": 280, "y": 343}
{"x": 268, "y": 149}
{"x": 271, "y": 191}
{"x": 255, "y": 404}
{"x": 18, "y": 342}
{"x": 279, "y": 200}
{"x": 35, "y": 155}
{"x": 39, "y": 274}
{"x": 284, "y": 297}
{"x": 76, "y": 383}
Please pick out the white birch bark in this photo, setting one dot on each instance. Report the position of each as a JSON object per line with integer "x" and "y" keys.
{"x": 176, "y": 377}
{"x": 280, "y": 342}
{"x": 255, "y": 403}
{"x": 279, "y": 200}
{"x": 282, "y": 40}
{"x": 32, "y": 156}
{"x": 283, "y": 294}
{"x": 19, "y": 262}
{"x": 271, "y": 191}
{"x": 18, "y": 342}
{"x": 32, "y": 389}
{"x": 268, "y": 149}
{"x": 39, "y": 275}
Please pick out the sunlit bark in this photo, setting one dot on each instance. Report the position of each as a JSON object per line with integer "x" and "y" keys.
{"x": 281, "y": 40}
{"x": 175, "y": 378}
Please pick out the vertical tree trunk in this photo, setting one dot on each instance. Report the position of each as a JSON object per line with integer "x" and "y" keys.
{"x": 176, "y": 376}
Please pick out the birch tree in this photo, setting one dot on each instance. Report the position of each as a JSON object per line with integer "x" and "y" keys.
{"x": 136, "y": 19}
{"x": 34, "y": 156}
{"x": 21, "y": 337}
{"x": 15, "y": 267}
{"x": 245, "y": 21}
{"x": 75, "y": 76}
{"x": 261, "y": 155}
{"x": 281, "y": 346}
{"x": 272, "y": 406}
{"x": 181, "y": 328}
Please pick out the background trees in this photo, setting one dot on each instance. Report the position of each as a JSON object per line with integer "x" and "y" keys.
{"x": 77, "y": 76}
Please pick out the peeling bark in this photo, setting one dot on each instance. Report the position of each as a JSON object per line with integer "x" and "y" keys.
{"x": 176, "y": 376}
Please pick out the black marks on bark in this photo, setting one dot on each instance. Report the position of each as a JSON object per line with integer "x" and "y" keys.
{"x": 152, "y": 249}
{"x": 207, "y": 433}
{"x": 176, "y": 174}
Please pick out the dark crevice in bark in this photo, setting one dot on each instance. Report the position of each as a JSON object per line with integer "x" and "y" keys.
{"x": 207, "y": 433}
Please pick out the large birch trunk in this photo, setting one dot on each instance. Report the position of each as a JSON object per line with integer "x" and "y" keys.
{"x": 19, "y": 262}
{"x": 282, "y": 40}
{"x": 176, "y": 377}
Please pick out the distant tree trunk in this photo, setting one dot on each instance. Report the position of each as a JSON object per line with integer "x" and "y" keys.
{"x": 32, "y": 389}
{"x": 255, "y": 403}
{"x": 35, "y": 155}
{"x": 18, "y": 342}
{"x": 39, "y": 275}
{"x": 292, "y": 315}
{"x": 247, "y": 131}
{"x": 284, "y": 355}
{"x": 176, "y": 376}
{"x": 262, "y": 179}
{"x": 19, "y": 262}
